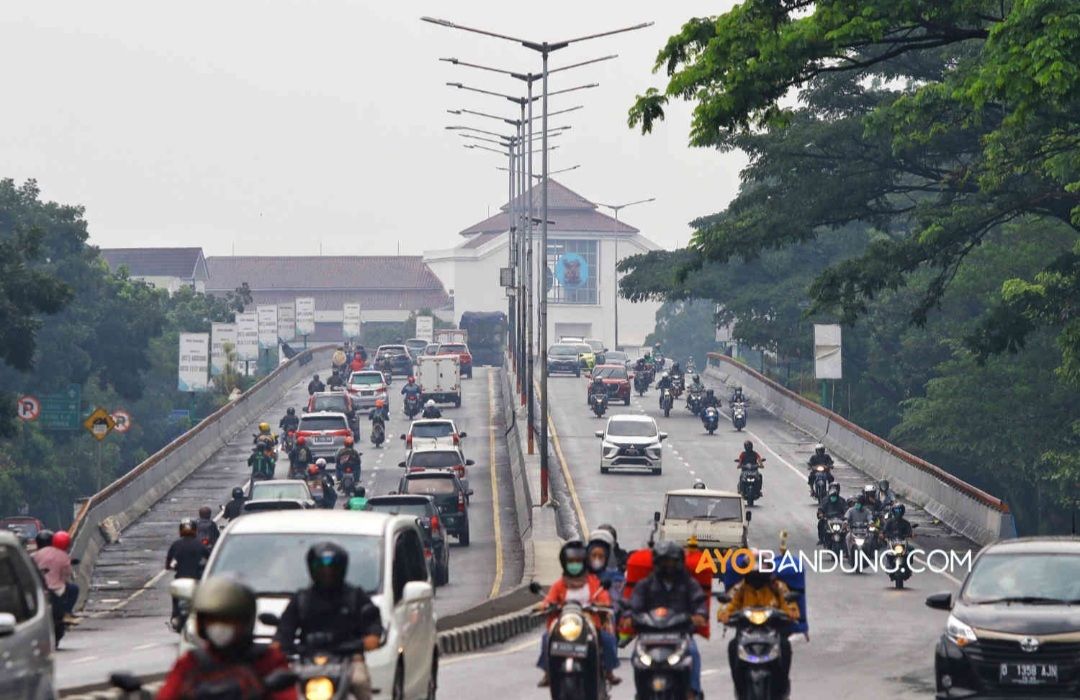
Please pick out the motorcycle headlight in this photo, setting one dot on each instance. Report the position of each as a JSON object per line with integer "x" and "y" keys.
{"x": 570, "y": 627}
{"x": 758, "y": 617}
{"x": 674, "y": 659}
{"x": 319, "y": 689}
{"x": 859, "y": 541}
{"x": 644, "y": 659}
{"x": 898, "y": 549}
{"x": 837, "y": 527}
{"x": 959, "y": 632}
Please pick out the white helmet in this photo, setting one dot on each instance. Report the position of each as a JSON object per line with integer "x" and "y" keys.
{"x": 320, "y": 463}
{"x": 430, "y": 403}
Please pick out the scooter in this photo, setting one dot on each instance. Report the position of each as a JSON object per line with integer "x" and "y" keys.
{"x": 641, "y": 382}
{"x": 666, "y": 402}
{"x": 896, "y": 560}
{"x": 834, "y": 536}
{"x": 131, "y": 687}
{"x": 322, "y": 664}
{"x": 819, "y": 487}
{"x": 378, "y": 432}
{"x": 861, "y": 544}
{"x": 750, "y": 483}
{"x": 738, "y": 415}
{"x": 758, "y": 636}
{"x": 348, "y": 481}
{"x": 599, "y": 404}
{"x": 661, "y": 656}
{"x": 575, "y": 669}
{"x": 710, "y": 418}
{"x": 693, "y": 402}
{"x": 412, "y": 405}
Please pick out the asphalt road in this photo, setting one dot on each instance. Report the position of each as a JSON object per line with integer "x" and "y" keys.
{"x": 123, "y": 624}
{"x": 866, "y": 639}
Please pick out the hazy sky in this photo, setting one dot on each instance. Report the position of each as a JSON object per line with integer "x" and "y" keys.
{"x": 267, "y": 126}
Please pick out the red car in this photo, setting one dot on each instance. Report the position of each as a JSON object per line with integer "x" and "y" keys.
{"x": 464, "y": 356}
{"x": 616, "y": 380}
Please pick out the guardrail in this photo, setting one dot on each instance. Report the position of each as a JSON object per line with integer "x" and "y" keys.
{"x": 105, "y": 514}
{"x": 965, "y": 508}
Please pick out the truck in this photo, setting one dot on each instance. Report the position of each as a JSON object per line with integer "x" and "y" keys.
{"x": 719, "y": 519}
{"x": 451, "y": 335}
{"x": 486, "y": 333}
{"x": 439, "y": 377}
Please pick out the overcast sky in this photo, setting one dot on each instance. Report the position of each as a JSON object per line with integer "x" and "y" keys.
{"x": 270, "y": 126}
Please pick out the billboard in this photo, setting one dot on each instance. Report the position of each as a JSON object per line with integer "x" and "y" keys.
{"x": 267, "y": 314}
{"x": 425, "y": 328}
{"x": 286, "y": 322}
{"x": 247, "y": 335}
{"x": 827, "y": 356}
{"x": 350, "y": 323}
{"x": 220, "y": 335}
{"x": 305, "y": 315}
{"x": 194, "y": 362}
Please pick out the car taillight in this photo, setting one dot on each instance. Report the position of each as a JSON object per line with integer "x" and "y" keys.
{"x": 341, "y": 433}
{"x": 408, "y": 441}
{"x": 434, "y": 523}
{"x": 348, "y": 470}
{"x": 427, "y": 553}
{"x": 461, "y": 502}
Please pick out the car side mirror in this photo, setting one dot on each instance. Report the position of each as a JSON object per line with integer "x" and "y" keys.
{"x": 7, "y": 624}
{"x": 598, "y": 433}
{"x": 269, "y": 619}
{"x": 401, "y": 464}
{"x": 403, "y": 436}
{"x": 183, "y": 588}
{"x": 463, "y": 434}
{"x": 749, "y": 515}
{"x": 417, "y": 591}
{"x": 663, "y": 436}
{"x": 469, "y": 463}
{"x": 656, "y": 516}
{"x": 939, "y": 601}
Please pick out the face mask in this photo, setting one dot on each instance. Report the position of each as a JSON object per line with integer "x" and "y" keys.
{"x": 832, "y": 498}
{"x": 574, "y": 568}
{"x": 858, "y": 506}
{"x": 220, "y": 634}
{"x": 597, "y": 563}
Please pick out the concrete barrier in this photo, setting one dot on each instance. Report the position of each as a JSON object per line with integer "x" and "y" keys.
{"x": 105, "y": 514}
{"x": 967, "y": 509}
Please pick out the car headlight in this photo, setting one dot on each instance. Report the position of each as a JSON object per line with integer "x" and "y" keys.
{"x": 319, "y": 689}
{"x": 959, "y": 632}
{"x": 570, "y": 627}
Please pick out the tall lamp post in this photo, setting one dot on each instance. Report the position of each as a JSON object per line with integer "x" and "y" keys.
{"x": 615, "y": 209}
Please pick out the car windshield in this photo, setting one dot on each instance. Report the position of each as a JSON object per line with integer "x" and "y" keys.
{"x": 416, "y": 344}
{"x": 420, "y": 510}
{"x": 431, "y": 350}
{"x": 596, "y": 345}
{"x": 276, "y": 562}
{"x": 432, "y": 486}
{"x": 606, "y": 372}
{"x": 452, "y": 349}
{"x": 272, "y": 490}
{"x": 1034, "y": 577}
{"x": 563, "y": 351}
{"x": 583, "y": 348}
{"x": 631, "y": 428}
{"x": 316, "y": 423}
{"x": 329, "y": 403}
{"x": 704, "y": 508}
{"x": 432, "y": 430}
{"x": 435, "y": 459}
{"x": 366, "y": 379}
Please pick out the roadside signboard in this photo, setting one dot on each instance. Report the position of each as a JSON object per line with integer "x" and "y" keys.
{"x": 247, "y": 336}
{"x": 29, "y": 408}
{"x": 827, "y": 356}
{"x": 221, "y": 334}
{"x": 305, "y": 315}
{"x": 194, "y": 362}
{"x": 267, "y": 314}
{"x": 350, "y": 324}
{"x": 425, "y": 328}
{"x": 286, "y": 322}
{"x": 62, "y": 410}
{"x": 121, "y": 420}
{"x": 100, "y": 423}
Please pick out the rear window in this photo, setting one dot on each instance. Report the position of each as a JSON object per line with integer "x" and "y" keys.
{"x": 366, "y": 379}
{"x": 435, "y": 460}
{"x": 584, "y": 348}
{"x": 596, "y": 345}
{"x": 431, "y": 485}
{"x": 452, "y": 348}
{"x": 605, "y": 372}
{"x": 329, "y": 403}
{"x": 419, "y": 510}
{"x": 392, "y": 350}
{"x": 432, "y": 430}
{"x": 317, "y": 423}
{"x": 563, "y": 351}
{"x": 269, "y": 491}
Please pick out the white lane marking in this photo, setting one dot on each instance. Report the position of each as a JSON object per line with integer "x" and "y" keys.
{"x": 150, "y": 645}
{"x": 84, "y": 660}
{"x": 502, "y": 652}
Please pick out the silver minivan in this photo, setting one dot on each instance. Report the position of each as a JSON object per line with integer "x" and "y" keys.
{"x": 26, "y": 634}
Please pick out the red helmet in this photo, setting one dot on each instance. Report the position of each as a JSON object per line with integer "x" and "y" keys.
{"x": 61, "y": 540}
{"x": 412, "y": 379}
{"x": 312, "y": 469}
{"x": 300, "y": 440}
{"x": 348, "y": 441}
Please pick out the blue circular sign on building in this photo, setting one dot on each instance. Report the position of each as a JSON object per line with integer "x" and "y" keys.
{"x": 572, "y": 271}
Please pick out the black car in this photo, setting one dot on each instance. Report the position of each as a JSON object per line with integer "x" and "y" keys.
{"x": 401, "y": 363}
{"x": 450, "y": 495}
{"x": 436, "y": 548}
{"x": 564, "y": 357}
{"x": 1014, "y": 628}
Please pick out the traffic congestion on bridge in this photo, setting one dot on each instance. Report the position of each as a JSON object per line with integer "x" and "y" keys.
{"x": 758, "y": 375}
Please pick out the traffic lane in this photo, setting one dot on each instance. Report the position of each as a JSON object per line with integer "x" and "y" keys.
{"x": 472, "y": 568}
{"x": 145, "y": 647}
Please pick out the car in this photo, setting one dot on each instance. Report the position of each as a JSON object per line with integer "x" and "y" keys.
{"x": 586, "y": 356}
{"x": 597, "y": 347}
{"x": 451, "y": 496}
{"x": 401, "y": 363}
{"x": 631, "y": 441}
{"x": 1014, "y": 627}
{"x": 616, "y": 380}
{"x": 434, "y": 456}
{"x": 616, "y": 357}
{"x": 431, "y": 349}
{"x": 282, "y": 489}
{"x": 25, "y": 527}
{"x": 719, "y": 519}
{"x": 324, "y": 432}
{"x": 563, "y": 357}
{"x": 266, "y": 551}
{"x": 337, "y": 401}
{"x": 272, "y": 504}
{"x": 416, "y": 347}
{"x": 366, "y": 387}
{"x": 26, "y": 625}
{"x": 463, "y": 354}
{"x": 437, "y": 431}
{"x": 436, "y": 547}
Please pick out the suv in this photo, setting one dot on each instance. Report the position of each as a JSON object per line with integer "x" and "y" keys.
{"x": 366, "y": 387}
{"x": 337, "y": 402}
{"x": 463, "y": 355}
{"x": 281, "y": 490}
{"x": 436, "y": 548}
{"x": 401, "y": 362}
{"x": 324, "y": 432}
{"x": 450, "y": 495}
{"x": 563, "y": 357}
{"x": 1014, "y": 628}
{"x": 25, "y": 527}
{"x": 441, "y": 432}
{"x": 631, "y": 441}
{"x": 26, "y": 625}
{"x": 435, "y": 456}
{"x": 616, "y": 380}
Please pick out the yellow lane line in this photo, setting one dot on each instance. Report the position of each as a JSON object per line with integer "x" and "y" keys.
{"x": 566, "y": 473}
{"x": 496, "y": 522}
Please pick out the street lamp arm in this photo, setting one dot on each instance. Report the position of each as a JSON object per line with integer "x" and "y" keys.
{"x": 642, "y": 25}
{"x": 573, "y": 89}
{"x": 617, "y": 207}
{"x": 451, "y": 25}
{"x": 583, "y": 63}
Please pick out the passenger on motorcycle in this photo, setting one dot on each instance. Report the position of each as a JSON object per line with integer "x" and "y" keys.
{"x": 749, "y": 456}
{"x": 602, "y": 562}
{"x": 759, "y": 589}
{"x": 235, "y": 507}
{"x": 225, "y": 615}
{"x": 431, "y": 410}
{"x": 54, "y": 562}
{"x": 206, "y": 530}
{"x": 896, "y": 527}
{"x": 619, "y": 553}
{"x": 301, "y": 455}
{"x": 695, "y": 384}
{"x": 315, "y": 385}
{"x": 885, "y": 495}
{"x": 580, "y": 586}
{"x": 820, "y": 457}
{"x": 186, "y": 556}
{"x": 290, "y": 421}
{"x": 671, "y": 586}
{"x": 832, "y": 507}
{"x": 333, "y": 612}
{"x": 347, "y": 456}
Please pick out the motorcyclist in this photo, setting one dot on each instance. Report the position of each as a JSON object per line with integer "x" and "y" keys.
{"x": 265, "y": 438}
{"x": 602, "y": 562}
{"x": 329, "y": 495}
{"x": 896, "y": 527}
{"x": 870, "y": 498}
{"x": 676, "y": 370}
{"x": 885, "y": 495}
{"x": 578, "y": 585}
{"x": 348, "y": 456}
{"x": 737, "y": 395}
{"x": 759, "y": 589}
{"x": 596, "y": 388}
{"x": 357, "y": 362}
{"x": 671, "y": 586}
{"x": 330, "y": 613}
{"x": 235, "y": 507}
{"x": 819, "y": 458}
{"x": 54, "y": 562}
{"x": 186, "y": 556}
{"x": 696, "y": 386}
{"x": 336, "y": 381}
{"x": 315, "y": 385}
{"x": 261, "y": 461}
{"x": 642, "y": 363}
{"x": 290, "y": 421}
{"x": 749, "y": 456}
{"x": 378, "y": 413}
{"x": 710, "y": 399}
{"x": 663, "y": 383}
{"x": 620, "y": 554}
{"x": 225, "y": 615}
{"x": 300, "y": 456}
{"x": 411, "y": 388}
{"x": 859, "y": 514}
{"x": 431, "y": 410}
{"x": 832, "y": 507}
{"x": 206, "y": 530}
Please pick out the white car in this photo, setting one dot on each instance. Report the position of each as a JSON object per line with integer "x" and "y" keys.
{"x": 366, "y": 387}
{"x": 438, "y": 432}
{"x": 718, "y": 519}
{"x": 631, "y": 441}
{"x": 267, "y": 551}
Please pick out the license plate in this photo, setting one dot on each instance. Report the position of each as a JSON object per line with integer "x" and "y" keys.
{"x": 1028, "y": 674}
{"x": 660, "y": 638}
{"x": 322, "y": 441}
{"x": 367, "y": 393}
{"x": 569, "y": 649}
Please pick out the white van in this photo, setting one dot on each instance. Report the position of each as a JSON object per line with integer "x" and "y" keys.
{"x": 439, "y": 377}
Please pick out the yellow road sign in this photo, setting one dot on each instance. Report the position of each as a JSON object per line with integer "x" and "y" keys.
{"x": 99, "y": 423}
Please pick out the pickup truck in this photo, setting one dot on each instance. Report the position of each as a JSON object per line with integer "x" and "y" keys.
{"x": 718, "y": 519}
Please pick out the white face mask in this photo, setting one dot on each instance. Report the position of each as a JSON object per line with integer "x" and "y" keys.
{"x": 220, "y": 634}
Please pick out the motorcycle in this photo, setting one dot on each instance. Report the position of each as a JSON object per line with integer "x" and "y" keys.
{"x": 678, "y": 385}
{"x": 599, "y": 404}
{"x": 641, "y": 382}
{"x": 378, "y": 432}
{"x": 834, "y": 536}
{"x": 861, "y": 544}
{"x": 412, "y": 405}
{"x": 348, "y": 481}
{"x": 661, "y": 657}
{"x": 819, "y": 488}
{"x": 750, "y": 483}
{"x": 288, "y": 442}
{"x": 666, "y": 402}
{"x": 574, "y": 668}
{"x": 693, "y": 401}
{"x": 262, "y": 464}
{"x": 710, "y": 418}
{"x": 758, "y": 635}
{"x": 738, "y": 415}
{"x": 896, "y": 562}
{"x": 224, "y": 689}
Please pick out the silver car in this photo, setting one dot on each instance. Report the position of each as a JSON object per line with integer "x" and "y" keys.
{"x": 366, "y": 387}
{"x": 26, "y": 633}
{"x": 631, "y": 441}
{"x": 324, "y": 432}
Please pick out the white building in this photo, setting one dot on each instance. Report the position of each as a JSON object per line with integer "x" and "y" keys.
{"x": 583, "y": 248}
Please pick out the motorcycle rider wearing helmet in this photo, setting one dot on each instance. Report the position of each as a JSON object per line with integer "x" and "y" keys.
{"x": 896, "y": 527}
{"x": 235, "y": 507}
{"x": 663, "y": 383}
{"x": 315, "y": 385}
{"x": 338, "y": 360}
{"x": 695, "y": 384}
{"x": 749, "y": 456}
{"x": 319, "y": 474}
{"x": 225, "y": 616}
{"x": 431, "y": 410}
{"x": 832, "y": 507}
{"x": 300, "y": 456}
{"x": 357, "y": 363}
{"x": 885, "y": 495}
{"x": 819, "y": 458}
{"x": 870, "y": 497}
{"x": 859, "y": 513}
{"x": 737, "y": 395}
{"x": 597, "y": 388}
{"x": 336, "y": 381}
{"x": 710, "y": 399}
{"x": 206, "y": 530}
{"x": 290, "y": 421}
{"x": 333, "y": 612}
{"x": 759, "y": 589}
{"x": 411, "y": 388}
{"x": 54, "y": 562}
{"x": 348, "y": 456}
{"x": 579, "y": 585}
{"x": 378, "y": 412}
{"x": 671, "y": 586}
{"x": 600, "y": 550}
{"x": 618, "y": 552}
{"x": 186, "y": 556}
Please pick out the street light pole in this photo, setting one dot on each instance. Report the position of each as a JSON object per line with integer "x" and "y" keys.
{"x": 616, "y": 208}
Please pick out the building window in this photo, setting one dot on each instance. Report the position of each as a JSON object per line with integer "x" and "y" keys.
{"x": 572, "y": 269}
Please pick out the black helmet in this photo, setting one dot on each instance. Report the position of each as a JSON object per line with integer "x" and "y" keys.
{"x": 573, "y": 552}
{"x": 222, "y": 600}
{"x": 899, "y": 509}
{"x": 748, "y": 446}
{"x": 610, "y": 528}
{"x": 327, "y": 563}
{"x": 709, "y": 392}
{"x": 237, "y": 493}
{"x": 316, "y": 377}
{"x": 756, "y": 577}
{"x": 668, "y": 559}
{"x": 290, "y": 411}
{"x": 187, "y": 527}
{"x": 43, "y": 539}
{"x": 205, "y": 512}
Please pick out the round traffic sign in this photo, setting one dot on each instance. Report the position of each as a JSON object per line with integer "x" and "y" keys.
{"x": 123, "y": 420}
{"x": 29, "y": 407}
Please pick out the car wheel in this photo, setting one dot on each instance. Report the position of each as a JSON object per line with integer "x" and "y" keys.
{"x": 577, "y": 373}
{"x": 457, "y": 402}
{"x": 626, "y": 401}
{"x": 463, "y": 535}
{"x": 398, "y": 692}
{"x": 444, "y": 574}
{"x": 605, "y": 470}
{"x": 656, "y": 471}
{"x": 433, "y": 677}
